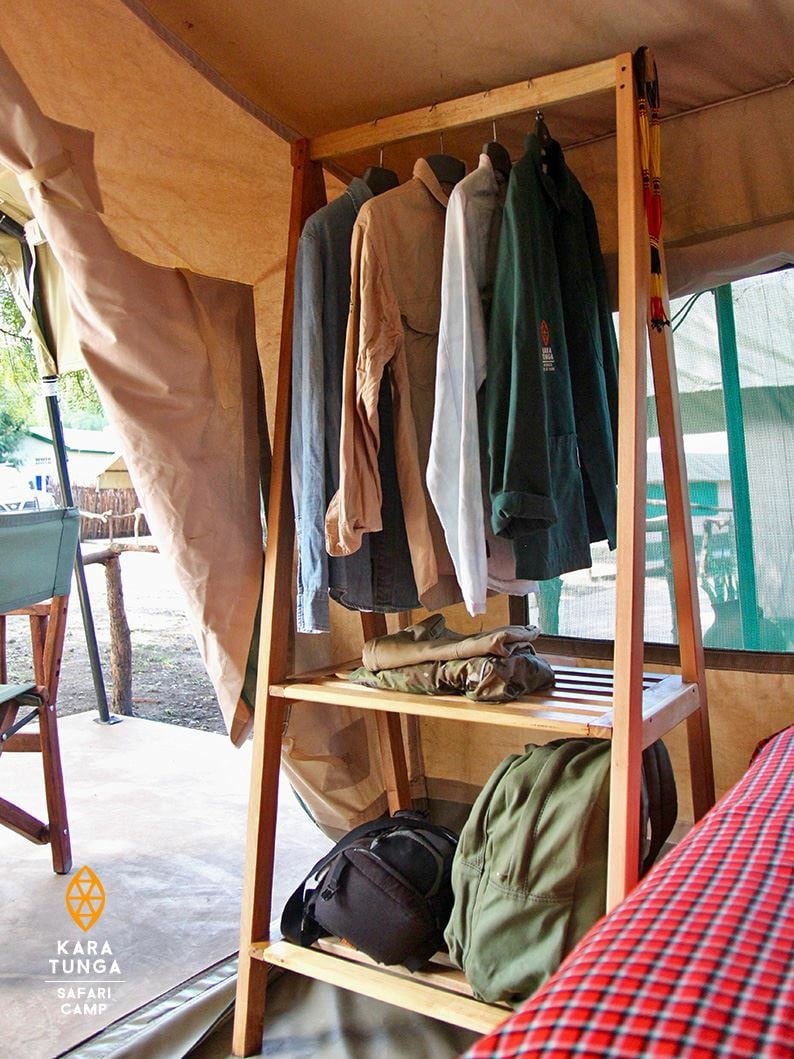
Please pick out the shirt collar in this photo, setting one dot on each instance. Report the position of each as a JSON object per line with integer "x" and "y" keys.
{"x": 425, "y": 174}
{"x": 359, "y": 192}
{"x": 486, "y": 165}
{"x": 556, "y": 178}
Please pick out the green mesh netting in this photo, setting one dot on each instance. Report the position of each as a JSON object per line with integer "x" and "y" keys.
{"x": 738, "y": 418}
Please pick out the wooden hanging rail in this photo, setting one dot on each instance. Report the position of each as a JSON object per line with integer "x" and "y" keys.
{"x": 468, "y": 110}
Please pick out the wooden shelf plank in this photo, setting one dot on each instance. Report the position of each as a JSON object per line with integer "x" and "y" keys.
{"x": 546, "y": 713}
{"x": 410, "y": 991}
{"x": 440, "y": 971}
{"x": 580, "y": 705}
{"x": 667, "y": 705}
{"x": 469, "y": 110}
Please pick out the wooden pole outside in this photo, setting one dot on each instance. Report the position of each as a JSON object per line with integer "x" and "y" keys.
{"x": 120, "y": 640}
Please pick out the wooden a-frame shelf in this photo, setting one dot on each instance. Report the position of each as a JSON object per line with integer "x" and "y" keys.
{"x": 625, "y": 705}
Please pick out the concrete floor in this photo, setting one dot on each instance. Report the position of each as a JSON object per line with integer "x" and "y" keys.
{"x": 158, "y": 812}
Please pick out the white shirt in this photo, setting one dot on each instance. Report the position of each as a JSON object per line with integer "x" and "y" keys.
{"x": 455, "y": 469}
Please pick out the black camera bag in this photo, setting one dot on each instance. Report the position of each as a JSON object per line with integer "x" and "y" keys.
{"x": 385, "y": 888}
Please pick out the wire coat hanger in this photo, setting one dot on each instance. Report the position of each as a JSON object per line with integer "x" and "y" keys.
{"x": 379, "y": 179}
{"x": 447, "y": 168}
{"x": 500, "y": 159}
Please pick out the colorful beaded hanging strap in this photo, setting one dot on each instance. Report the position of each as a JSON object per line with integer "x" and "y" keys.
{"x": 650, "y": 161}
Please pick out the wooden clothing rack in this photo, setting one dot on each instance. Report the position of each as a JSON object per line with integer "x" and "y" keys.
{"x": 624, "y": 705}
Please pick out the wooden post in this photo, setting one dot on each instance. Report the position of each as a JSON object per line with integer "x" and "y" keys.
{"x": 624, "y": 799}
{"x": 308, "y": 194}
{"x": 390, "y": 736}
{"x": 120, "y": 640}
{"x": 475, "y": 109}
{"x": 682, "y": 554}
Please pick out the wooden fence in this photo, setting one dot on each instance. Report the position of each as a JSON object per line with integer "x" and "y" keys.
{"x": 107, "y": 514}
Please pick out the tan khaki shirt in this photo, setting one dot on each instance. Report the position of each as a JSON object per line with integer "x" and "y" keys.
{"x": 396, "y": 255}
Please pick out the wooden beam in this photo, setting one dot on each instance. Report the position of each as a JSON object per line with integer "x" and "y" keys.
{"x": 23, "y": 823}
{"x": 22, "y": 743}
{"x": 390, "y": 735}
{"x": 468, "y": 110}
{"x": 58, "y": 829}
{"x": 624, "y": 801}
{"x": 682, "y": 556}
{"x": 308, "y": 194}
{"x": 372, "y": 981}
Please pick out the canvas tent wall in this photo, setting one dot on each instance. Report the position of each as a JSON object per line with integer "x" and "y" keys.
{"x": 177, "y": 113}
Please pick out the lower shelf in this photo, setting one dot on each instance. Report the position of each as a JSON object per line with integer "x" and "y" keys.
{"x": 439, "y": 990}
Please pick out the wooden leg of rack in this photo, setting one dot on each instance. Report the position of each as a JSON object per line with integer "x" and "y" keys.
{"x": 518, "y": 610}
{"x": 392, "y": 746}
{"x": 395, "y": 770}
{"x": 624, "y": 799}
{"x": 258, "y": 880}
{"x": 308, "y": 194}
{"x": 682, "y": 556}
{"x": 701, "y": 768}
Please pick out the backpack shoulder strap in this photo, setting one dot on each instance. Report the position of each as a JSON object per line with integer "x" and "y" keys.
{"x": 662, "y": 798}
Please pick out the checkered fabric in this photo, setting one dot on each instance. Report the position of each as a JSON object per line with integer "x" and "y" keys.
{"x": 698, "y": 961}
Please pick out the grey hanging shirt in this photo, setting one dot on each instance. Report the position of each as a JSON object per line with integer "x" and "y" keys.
{"x": 379, "y": 576}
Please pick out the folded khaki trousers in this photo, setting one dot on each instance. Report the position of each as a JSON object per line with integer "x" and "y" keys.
{"x": 431, "y": 641}
{"x": 486, "y": 679}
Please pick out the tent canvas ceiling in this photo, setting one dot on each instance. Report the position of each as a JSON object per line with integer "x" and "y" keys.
{"x": 177, "y": 115}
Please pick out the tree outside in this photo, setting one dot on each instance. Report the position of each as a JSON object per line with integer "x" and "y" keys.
{"x": 21, "y": 403}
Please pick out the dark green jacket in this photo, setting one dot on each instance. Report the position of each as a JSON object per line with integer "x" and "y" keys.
{"x": 551, "y": 389}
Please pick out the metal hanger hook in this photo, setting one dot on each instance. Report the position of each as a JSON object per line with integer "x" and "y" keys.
{"x": 380, "y": 158}
{"x": 494, "y": 128}
{"x": 441, "y": 141}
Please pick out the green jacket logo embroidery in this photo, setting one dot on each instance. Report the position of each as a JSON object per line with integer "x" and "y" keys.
{"x": 546, "y": 352}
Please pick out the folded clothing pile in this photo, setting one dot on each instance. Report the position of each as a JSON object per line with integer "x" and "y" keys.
{"x": 428, "y": 658}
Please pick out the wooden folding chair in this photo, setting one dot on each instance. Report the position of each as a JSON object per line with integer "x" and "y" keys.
{"x": 37, "y": 551}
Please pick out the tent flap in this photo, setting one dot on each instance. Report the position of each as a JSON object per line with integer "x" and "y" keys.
{"x": 173, "y": 356}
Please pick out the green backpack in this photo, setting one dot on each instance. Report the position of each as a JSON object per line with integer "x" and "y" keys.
{"x": 529, "y": 873}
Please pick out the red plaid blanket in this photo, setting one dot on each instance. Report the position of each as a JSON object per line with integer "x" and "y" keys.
{"x": 698, "y": 961}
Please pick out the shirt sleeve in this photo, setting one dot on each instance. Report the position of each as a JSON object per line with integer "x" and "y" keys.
{"x": 374, "y": 331}
{"x": 609, "y": 342}
{"x": 307, "y": 439}
{"x": 516, "y": 418}
{"x": 454, "y": 478}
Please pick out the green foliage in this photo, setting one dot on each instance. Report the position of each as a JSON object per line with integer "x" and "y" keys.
{"x": 12, "y": 430}
{"x": 19, "y": 379}
{"x": 18, "y": 376}
{"x": 80, "y": 405}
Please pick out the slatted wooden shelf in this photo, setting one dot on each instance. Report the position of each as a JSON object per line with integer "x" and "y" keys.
{"x": 439, "y": 990}
{"x": 580, "y": 703}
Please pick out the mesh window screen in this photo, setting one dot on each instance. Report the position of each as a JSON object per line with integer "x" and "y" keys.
{"x": 735, "y": 361}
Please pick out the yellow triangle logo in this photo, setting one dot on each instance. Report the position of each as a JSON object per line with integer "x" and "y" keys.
{"x": 85, "y": 898}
